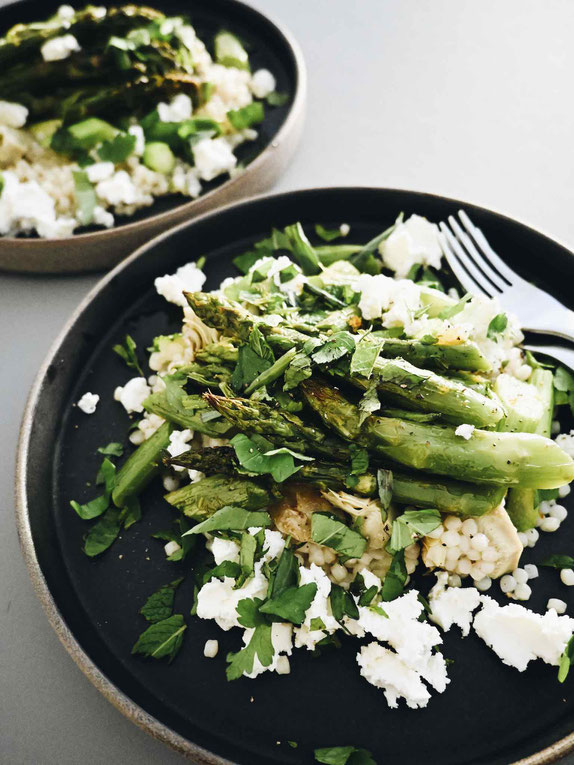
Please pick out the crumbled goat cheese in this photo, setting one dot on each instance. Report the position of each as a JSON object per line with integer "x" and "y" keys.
{"x": 566, "y": 442}
{"x": 273, "y": 545}
{"x": 223, "y": 549}
{"x": 100, "y": 171}
{"x": 319, "y": 608}
{"x": 103, "y": 217}
{"x": 282, "y": 641}
{"x": 218, "y": 599}
{"x": 118, "y": 189}
{"x": 139, "y": 147}
{"x": 188, "y": 278}
{"x": 384, "y": 669}
{"x": 464, "y": 431}
{"x": 210, "y": 649}
{"x": 179, "y": 442}
{"x": 171, "y": 547}
{"x": 25, "y": 206}
{"x": 66, "y": 12}
{"x": 88, "y": 403}
{"x": 452, "y": 605}
{"x": 262, "y": 83}
{"x": 518, "y": 635}
{"x": 132, "y": 395}
{"x": 59, "y": 48}
{"x": 12, "y": 114}
{"x": 147, "y": 426}
{"x": 412, "y": 242}
{"x": 567, "y": 577}
{"x": 558, "y": 605}
{"x": 213, "y": 156}
{"x": 178, "y": 109}
{"x": 195, "y": 475}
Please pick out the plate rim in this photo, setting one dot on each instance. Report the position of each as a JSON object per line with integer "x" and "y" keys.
{"x": 121, "y": 701}
{"x": 268, "y": 159}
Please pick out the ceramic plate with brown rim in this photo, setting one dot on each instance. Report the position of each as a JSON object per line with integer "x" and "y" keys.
{"x": 261, "y": 160}
{"x": 489, "y": 713}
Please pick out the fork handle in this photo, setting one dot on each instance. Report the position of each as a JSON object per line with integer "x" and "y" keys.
{"x": 557, "y": 352}
{"x": 559, "y": 323}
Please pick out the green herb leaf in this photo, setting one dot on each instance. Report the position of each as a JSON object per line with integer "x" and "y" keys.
{"x": 327, "y": 234}
{"x": 85, "y": 196}
{"x": 558, "y": 561}
{"x": 285, "y": 575}
{"x": 127, "y": 352}
{"x": 112, "y": 450}
{"x": 497, "y": 326}
{"x": 302, "y": 250}
{"x": 369, "y": 403}
{"x": 338, "y": 346}
{"x": 159, "y": 606}
{"x": 246, "y": 557}
{"x": 396, "y": 577}
{"x": 385, "y": 484}
{"x": 298, "y": 370}
{"x": 132, "y": 512}
{"x": 253, "y": 359}
{"x": 334, "y": 534}
{"x": 359, "y": 464}
{"x": 103, "y": 533}
{"x": 162, "y": 639}
{"x": 226, "y": 569}
{"x": 342, "y": 603}
{"x": 277, "y": 99}
{"x": 448, "y": 313}
{"x": 566, "y": 661}
{"x": 411, "y": 525}
{"x": 259, "y": 646}
{"x": 249, "y": 115}
{"x": 255, "y": 457}
{"x": 231, "y": 518}
{"x": 291, "y": 604}
{"x": 118, "y": 149}
{"x": 344, "y": 755}
{"x": 365, "y": 356}
{"x": 92, "y": 509}
{"x": 248, "y": 613}
{"x": 107, "y": 475}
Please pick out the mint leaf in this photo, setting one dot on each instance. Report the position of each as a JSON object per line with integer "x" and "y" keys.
{"x": 369, "y": 403}
{"x": 327, "y": 234}
{"x": 359, "y": 464}
{"x": 246, "y": 557}
{"x": 92, "y": 509}
{"x": 255, "y": 456}
{"x": 298, "y": 370}
{"x": 285, "y": 575}
{"x": 127, "y": 352}
{"x": 252, "y": 114}
{"x": 566, "y": 660}
{"x": 159, "y": 606}
{"x": 253, "y": 359}
{"x": 558, "y": 561}
{"x": 113, "y": 449}
{"x": 162, "y": 639}
{"x": 226, "y": 568}
{"x": 497, "y": 326}
{"x": 302, "y": 250}
{"x": 107, "y": 475}
{"x": 365, "y": 356}
{"x": 231, "y": 518}
{"x": 342, "y": 603}
{"x": 338, "y": 346}
{"x": 118, "y": 149}
{"x": 411, "y": 525}
{"x": 396, "y": 577}
{"x": 292, "y": 604}
{"x": 344, "y": 755}
{"x": 385, "y": 484}
{"x": 103, "y": 533}
{"x": 448, "y": 313}
{"x": 334, "y": 534}
{"x": 259, "y": 646}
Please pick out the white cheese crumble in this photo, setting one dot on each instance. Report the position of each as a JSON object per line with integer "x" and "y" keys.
{"x": 384, "y": 669}
{"x": 452, "y": 605}
{"x": 178, "y": 109}
{"x": 132, "y": 395}
{"x": 117, "y": 189}
{"x": 519, "y": 636}
{"x": 464, "y": 431}
{"x": 179, "y": 443}
{"x": 100, "y": 171}
{"x": 13, "y": 115}
{"x": 218, "y": 599}
{"x": 412, "y": 242}
{"x": 59, "y": 48}
{"x": 213, "y": 156}
{"x": 171, "y": 547}
{"x": 223, "y": 549}
{"x": 262, "y": 83}
{"x": 139, "y": 147}
{"x": 319, "y": 609}
{"x": 25, "y": 206}
{"x": 282, "y": 641}
{"x": 88, "y": 403}
{"x": 566, "y": 442}
{"x": 188, "y": 278}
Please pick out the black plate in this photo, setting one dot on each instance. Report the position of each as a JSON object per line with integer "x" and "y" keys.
{"x": 266, "y": 46}
{"x": 489, "y": 713}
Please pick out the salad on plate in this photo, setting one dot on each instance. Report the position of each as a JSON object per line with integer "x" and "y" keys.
{"x": 353, "y": 450}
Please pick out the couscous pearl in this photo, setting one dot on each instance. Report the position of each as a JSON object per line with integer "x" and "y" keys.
{"x": 523, "y": 538}
{"x": 564, "y": 491}
{"x": 469, "y": 527}
{"x": 479, "y": 542}
{"x": 538, "y": 521}
{"x": 450, "y": 538}
{"x": 452, "y": 523}
{"x": 454, "y": 580}
{"x": 567, "y": 577}
{"x": 520, "y": 576}
{"x": 483, "y": 584}
{"x": 210, "y": 649}
{"x": 550, "y": 524}
{"x": 463, "y": 567}
{"x": 338, "y": 572}
{"x": 507, "y": 583}
{"x": 473, "y": 554}
{"x": 463, "y": 543}
{"x": 555, "y": 427}
{"x": 476, "y": 572}
{"x": 558, "y": 605}
{"x": 522, "y": 592}
{"x": 531, "y": 570}
{"x": 436, "y": 533}
{"x": 137, "y": 437}
{"x": 283, "y": 666}
{"x": 532, "y": 536}
{"x": 487, "y": 566}
{"x": 170, "y": 483}
{"x": 559, "y": 512}
{"x": 490, "y": 554}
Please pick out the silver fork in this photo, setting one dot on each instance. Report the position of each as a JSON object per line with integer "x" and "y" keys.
{"x": 480, "y": 270}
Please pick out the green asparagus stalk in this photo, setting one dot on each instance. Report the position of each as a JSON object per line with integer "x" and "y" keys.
{"x": 203, "y": 498}
{"x": 187, "y": 412}
{"x": 511, "y": 459}
{"x": 141, "y": 466}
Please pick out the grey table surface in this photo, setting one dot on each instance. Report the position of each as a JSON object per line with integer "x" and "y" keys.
{"x": 467, "y": 98}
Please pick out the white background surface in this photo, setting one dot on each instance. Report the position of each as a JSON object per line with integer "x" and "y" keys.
{"x": 467, "y": 98}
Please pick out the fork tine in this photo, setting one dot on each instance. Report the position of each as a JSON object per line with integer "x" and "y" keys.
{"x": 482, "y": 242}
{"x": 456, "y": 257}
{"x": 479, "y": 259}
